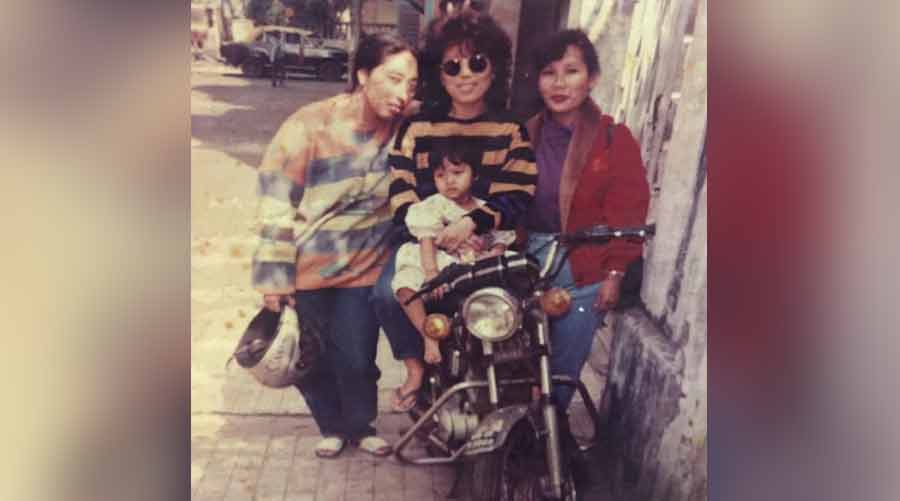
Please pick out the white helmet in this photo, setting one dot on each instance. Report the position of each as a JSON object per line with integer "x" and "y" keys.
{"x": 273, "y": 350}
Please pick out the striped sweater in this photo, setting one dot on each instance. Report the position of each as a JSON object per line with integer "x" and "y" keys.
{"x": 323, "y": 217}
{"x": 506, "y": 179}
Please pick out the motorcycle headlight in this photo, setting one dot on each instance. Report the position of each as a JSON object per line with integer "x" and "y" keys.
{"x": 492, "y": 314}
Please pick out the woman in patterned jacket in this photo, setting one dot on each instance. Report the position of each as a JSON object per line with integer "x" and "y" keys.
{"x": 325, "y": 224}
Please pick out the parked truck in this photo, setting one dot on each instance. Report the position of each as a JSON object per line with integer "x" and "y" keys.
{"x": 303, "y": 53}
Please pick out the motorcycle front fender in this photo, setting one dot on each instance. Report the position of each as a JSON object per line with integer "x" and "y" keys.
{"x": 493, "y": 430}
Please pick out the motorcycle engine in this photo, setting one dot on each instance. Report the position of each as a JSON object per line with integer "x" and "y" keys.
{"x": 455, "y": 421}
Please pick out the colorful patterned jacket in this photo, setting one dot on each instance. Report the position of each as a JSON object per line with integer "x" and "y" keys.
{"x": 324, "y": 219}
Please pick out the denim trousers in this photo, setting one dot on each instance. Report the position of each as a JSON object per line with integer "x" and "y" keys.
{"x": 342, "y": 389}
{"x": 572, "y": 335}
{"x": 404, "y": 338}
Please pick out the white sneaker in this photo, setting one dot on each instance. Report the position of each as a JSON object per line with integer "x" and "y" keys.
{"x": 375, "y": 446}
{"x": 330, "y": 447}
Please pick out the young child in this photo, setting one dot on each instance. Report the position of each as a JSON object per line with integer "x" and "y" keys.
{"x": 418, "y": 262}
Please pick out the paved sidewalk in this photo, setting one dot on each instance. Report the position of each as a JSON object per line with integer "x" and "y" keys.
{"x": 271, "y": 458}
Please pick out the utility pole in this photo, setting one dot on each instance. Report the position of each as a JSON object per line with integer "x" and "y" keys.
{"x": 355, "y": 33}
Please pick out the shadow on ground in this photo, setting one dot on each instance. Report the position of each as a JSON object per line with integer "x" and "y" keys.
{"x": 239, "y": 116}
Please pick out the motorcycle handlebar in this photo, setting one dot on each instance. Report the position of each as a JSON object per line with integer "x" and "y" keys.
{"x": 605, "y": 233}
{"x": 596, "y": 234}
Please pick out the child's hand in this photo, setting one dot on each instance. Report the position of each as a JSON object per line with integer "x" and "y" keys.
{"x": 497, "y": 250}
{"x": 439, "y": 292}
{"x": 476, "y": 242}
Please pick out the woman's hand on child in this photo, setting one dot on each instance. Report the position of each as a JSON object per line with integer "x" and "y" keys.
{"x": 476, "y": 243}
{"x": 455, "y": 234}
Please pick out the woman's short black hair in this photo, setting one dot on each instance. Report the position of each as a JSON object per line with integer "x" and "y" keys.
{"x": 477, "y": 32}
{"x": 373, "y": 49}
{"x": 554, "y": 48}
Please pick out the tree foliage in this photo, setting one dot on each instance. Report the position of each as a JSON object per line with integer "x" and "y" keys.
{"x": 263, "y": 11}
{"x": 316, "y": 15}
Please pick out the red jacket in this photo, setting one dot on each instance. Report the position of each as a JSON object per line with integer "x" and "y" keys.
{"x": 601, "y": 184}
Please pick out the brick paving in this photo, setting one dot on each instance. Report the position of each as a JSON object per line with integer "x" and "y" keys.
{"x": 271, "y": 457}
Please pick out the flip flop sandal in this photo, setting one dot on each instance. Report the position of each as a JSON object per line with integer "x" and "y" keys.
{"x": 330, "y": 447}
{"x": 375, "y": 446}
{"x": 404, "y": 402}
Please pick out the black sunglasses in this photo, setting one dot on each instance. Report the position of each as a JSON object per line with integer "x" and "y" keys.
{"x": 477, "y": 64}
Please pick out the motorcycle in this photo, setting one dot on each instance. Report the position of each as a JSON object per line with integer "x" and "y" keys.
{"x": 487, "y": 405}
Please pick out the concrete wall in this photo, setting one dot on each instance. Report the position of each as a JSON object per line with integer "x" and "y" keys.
{"x": 653, "y": 55}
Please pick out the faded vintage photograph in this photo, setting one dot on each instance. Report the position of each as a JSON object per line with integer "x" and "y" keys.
{"x": 448, "y": 249}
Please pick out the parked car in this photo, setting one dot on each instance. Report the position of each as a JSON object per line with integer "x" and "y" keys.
{"x": 304, "y": 53}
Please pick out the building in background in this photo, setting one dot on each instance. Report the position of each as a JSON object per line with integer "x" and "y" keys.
{"x": 214, "y": 22}
{"x": 205, "y": 25}
{"x": 378, "y": 16}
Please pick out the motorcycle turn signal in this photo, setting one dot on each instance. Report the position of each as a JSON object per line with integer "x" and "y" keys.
{"x": 437, "y": 326}
{"x": 556, "y": 302}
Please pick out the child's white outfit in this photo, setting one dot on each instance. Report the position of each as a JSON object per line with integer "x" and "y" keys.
{"x": 426, "y": 219}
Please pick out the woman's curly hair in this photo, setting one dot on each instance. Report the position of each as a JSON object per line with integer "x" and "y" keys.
{"x": 476, "y": 32}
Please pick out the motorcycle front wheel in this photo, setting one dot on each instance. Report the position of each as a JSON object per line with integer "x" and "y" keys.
{"x": 517, "y": 471}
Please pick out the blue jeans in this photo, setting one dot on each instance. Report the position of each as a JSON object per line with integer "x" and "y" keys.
{"x": 572, "y": 335}
{"x": 342, "y": 389}
{"x": 404, "y": 338}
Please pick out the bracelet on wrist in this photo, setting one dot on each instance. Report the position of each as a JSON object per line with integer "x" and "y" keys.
{"x": 615, "y": 274}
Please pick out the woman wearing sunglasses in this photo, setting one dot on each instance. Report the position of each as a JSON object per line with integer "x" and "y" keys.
{"x": 465, "y": 67}
{"x": 591, "y": 173}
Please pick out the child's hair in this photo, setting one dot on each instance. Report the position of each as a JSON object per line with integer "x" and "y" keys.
{"x": 458, "y": 152}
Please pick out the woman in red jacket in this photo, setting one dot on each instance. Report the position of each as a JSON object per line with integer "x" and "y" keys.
{"x": 589, "y": 173}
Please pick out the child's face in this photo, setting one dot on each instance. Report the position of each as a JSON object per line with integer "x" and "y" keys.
{"x": 453, "y": 180}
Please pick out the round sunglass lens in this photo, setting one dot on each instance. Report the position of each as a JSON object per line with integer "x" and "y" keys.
{"x": 478, "y": 63}
{"x": 451, "y": 68}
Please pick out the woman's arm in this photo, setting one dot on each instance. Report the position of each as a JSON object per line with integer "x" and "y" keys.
{"x": 625, "y": 204}
{"x": 428, "y": 257}
{"x": 512, "y": 189}
{"x": 402, "y": 191}
{"x": 281, "y": 179}
{"x": 627, "y": 198}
